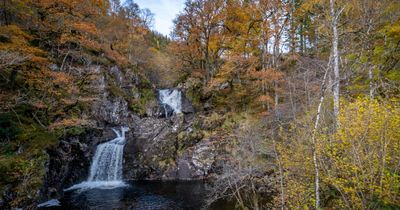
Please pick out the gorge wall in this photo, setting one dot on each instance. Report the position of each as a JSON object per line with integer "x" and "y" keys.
{"x": 161, "y": 144}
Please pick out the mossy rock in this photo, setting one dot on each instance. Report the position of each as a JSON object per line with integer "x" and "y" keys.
{"x": 212, "y": 121}
{"x": 22, "y": 163}
{"x": 146, "y": 99}
{"x": 115, "y": 90}
{"x": 188, "y": 139}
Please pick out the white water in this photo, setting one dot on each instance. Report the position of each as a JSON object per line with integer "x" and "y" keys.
{"x": 172, "y": 98}
{"x": 106, "y": 167}
{"x": 49, "y": 203}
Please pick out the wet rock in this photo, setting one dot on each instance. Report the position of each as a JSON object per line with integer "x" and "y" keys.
{"x": 159, "y": 145}
{"x": 187, "y": 106}
{"x": 154, "y": 109}
{"x": 167, "y": 111}
{"x": 113, "y": 110}
{"x": 49, "y": 203}
{"x": 197, "y": 162}
{"x": 184, "y": 170}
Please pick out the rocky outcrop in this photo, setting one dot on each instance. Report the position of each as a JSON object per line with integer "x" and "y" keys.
{"x": 152, "y": 147}
{"x": 196, "y": 162}
{"x": 106, "y": 104}
{"x": 170, "y": 149}
{"x": 161, "y": 144}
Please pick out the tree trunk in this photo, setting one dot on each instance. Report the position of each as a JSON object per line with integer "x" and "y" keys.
{"x": 314, "y": 141}
{"x": 5, "y": 13}
{"x": 282, "y": 197}
{"x": 292, "y": 28}
{"x": 371, "y": 85}
{"x": 335, "y": 51}
{"x": 301, "y": 38}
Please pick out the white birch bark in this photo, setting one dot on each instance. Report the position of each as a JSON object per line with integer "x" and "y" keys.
{"x": 314, "y": 140}
{"x": 335, "y": 51}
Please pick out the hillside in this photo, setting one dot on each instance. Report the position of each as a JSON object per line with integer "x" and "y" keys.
{"x": 275, "y": 104}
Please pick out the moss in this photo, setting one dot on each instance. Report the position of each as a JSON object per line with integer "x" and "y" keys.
{"x": 188, "y": 139}
{"x": 194, "y": 91}
{"x": 140, "y": 104}
{"x": 24, "y": 175}
{"x": 116, "y": 91}
{"x": 212, "y": 121}
{"x": 75, "y": 131}
{"x": 144, "y": 82}
{"x": 22, "y": 163}
{"x": 165, "y": 163}
{"x": 147, "y": 94}
{"x": 232, "y": 121}
{"x": 194, "y": 97}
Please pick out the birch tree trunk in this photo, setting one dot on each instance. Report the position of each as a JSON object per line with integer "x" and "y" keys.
{"x": 314, "y": 140}
{"x": 280, "y": 173}
{"x": 335, "y": 51}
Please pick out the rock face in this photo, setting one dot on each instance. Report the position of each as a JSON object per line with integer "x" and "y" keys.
{"x": 153, "y": 141}
{"x": 196, "y": 162}
{"x": 187, "y": 107}
{"x": 110, "y": 105}
{"x": 70, "y": 161}
{"x": 107, "y": 106}
{"x": 168, "y": 149}
{"x": 159, "y": 145}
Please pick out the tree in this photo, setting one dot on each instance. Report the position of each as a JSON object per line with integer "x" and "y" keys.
{"x": 335, "y": 51}
{"x": 361, "y": 162}
{"x": 198, "y": 32}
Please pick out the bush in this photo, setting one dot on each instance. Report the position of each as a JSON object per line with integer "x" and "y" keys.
{"x": 8, "y": 127}
{"x": 364, "y": 155}
{"x": 359, "y": 160}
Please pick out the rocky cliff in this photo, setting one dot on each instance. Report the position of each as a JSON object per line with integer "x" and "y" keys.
{"x": 158, "y": 146}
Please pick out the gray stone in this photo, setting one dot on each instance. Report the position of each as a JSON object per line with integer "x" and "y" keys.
{"x": 187, "y": 106}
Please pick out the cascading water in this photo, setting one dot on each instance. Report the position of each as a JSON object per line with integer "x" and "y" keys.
{"x": 106, "y": 167}
{"x": 171, "y": 98}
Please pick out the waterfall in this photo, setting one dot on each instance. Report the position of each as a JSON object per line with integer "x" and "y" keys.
{"x": 106, "y": 167}
{"x": 172, "y": 98}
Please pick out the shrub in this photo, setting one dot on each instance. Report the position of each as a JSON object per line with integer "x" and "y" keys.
{"x": 8, "y": 127}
